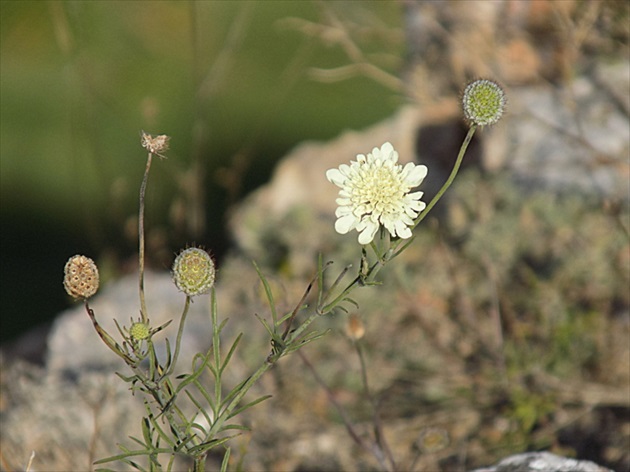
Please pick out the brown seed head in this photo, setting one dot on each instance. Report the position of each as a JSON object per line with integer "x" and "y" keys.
{"x": 80, "y": 277}
{"x": 157, "y": 145}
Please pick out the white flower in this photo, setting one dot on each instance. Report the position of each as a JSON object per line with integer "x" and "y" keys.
{"x": 375, "y": 191}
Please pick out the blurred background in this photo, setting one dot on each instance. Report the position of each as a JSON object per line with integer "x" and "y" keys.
{"x": 235, "y": 84}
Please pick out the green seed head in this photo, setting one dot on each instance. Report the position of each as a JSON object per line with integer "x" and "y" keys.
{"x": 484, "y": 102}
{"x": 80, "y": 277}
{"x": 193, "y": 271}
{"x": 139, "y": 331}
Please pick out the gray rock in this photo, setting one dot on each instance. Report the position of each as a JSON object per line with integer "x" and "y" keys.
{"x": 542, "y": 462}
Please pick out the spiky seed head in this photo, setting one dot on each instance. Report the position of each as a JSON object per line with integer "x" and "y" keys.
{"x": 193, "y": 271}
{"x": 484, "y": 102}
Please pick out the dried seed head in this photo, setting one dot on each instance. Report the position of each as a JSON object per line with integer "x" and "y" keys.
{"x": 139, "y": 331}
{"x": 483, "y": 102}
{"x": 80, "y": 277}
{"x": 193, "y": 271}
{"x": 157, "y": 145}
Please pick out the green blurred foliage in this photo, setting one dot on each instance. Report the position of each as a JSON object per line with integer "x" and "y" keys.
{"x": 229, "y": 81}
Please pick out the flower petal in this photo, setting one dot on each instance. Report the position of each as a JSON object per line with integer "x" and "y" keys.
{"x": 345, "y": 224}
{"x": 414, "y": 174}
{"x": 367, "y": 235}
{"x": 336, "y": 177}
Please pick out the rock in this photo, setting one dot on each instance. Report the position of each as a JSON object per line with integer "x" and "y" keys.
{"x": 543, "y": 462}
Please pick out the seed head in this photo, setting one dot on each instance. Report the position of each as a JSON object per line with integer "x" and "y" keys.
{"x": 193, "y": 271}
{"x": 157, "y": 145}
{"x": 80, "y": 277}
{"x": 483, "y": 102}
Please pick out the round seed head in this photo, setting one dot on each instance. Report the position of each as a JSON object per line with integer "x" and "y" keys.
{"x": 80, "y": 277}
{"x": 483, "y": 102}
{"x": 193, "y": 271}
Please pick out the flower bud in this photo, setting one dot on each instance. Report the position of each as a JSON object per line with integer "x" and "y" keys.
{"x": 80, "y": 277}
{"x": 139, "y": 331}
{"x": 483, "y": 102}
{"x": 193, "y": 271}
{"x": 355, "y": 329}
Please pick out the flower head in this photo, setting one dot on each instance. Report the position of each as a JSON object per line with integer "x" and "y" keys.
{"x": 484, "y": 102}
{"x": 139, "y": 331}
{"x": 193, "y": 271}
{"x": 80, "y": 277}
{"x": 375, "y": 191}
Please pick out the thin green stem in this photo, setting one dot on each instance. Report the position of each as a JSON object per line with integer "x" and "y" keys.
{"x": 297, "y": 332}
{"x": 143, "y": 188}
{"x": 381, "y": 442}
{"x": 216, "y": 346}
{"x": 178, "y": 341}
{"x": 447, "y": 184}
{"x": 199, "y": 464}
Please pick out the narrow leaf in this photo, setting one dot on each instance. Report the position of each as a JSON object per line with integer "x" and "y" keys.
{"x": 272, "y": 304}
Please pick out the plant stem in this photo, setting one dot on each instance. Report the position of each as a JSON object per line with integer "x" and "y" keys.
{"x": 143, "y": 188}
{"x": 447, "y": 184}
{"x": 379, "y": 437}
{"x": 178, "y": 341}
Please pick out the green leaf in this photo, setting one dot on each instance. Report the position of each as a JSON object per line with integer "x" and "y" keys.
{"x": 235, "y": 426}
{"x": 230, "y": 352}
{"x": 206, "y": 396}
{"x": 200, "y": 408}
{"x": 248, "y": 405}
{"x": 226, "y": 460}
{"x": 136, "y": 453}
{"x": 169, "y": 357}
{"x": 146, "y": 430}
{"x": 196, "y": 373}
{"x": 272, "y": 304}
{"x": 351, "y": 301}
{"x": 264, "y": 323}
{"x": 206, "y": 446}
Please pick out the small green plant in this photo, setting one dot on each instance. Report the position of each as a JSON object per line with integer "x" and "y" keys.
{"x": 185, "y": 417}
